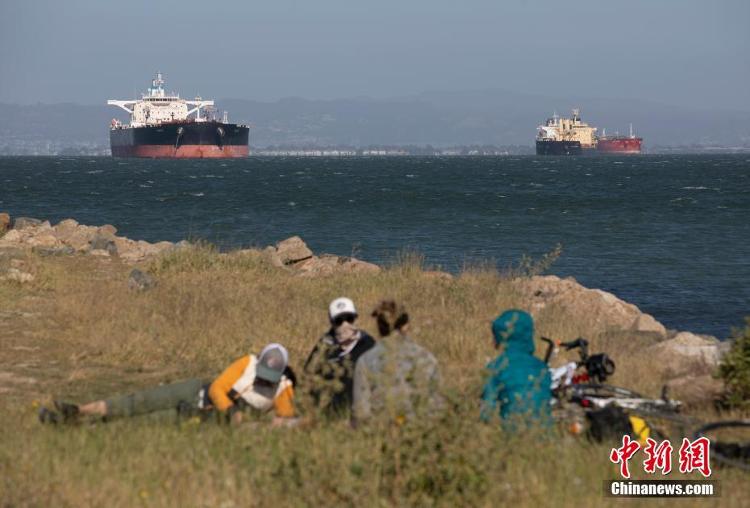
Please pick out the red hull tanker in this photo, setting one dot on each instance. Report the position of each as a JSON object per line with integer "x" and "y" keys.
{"x": 165, "y": 126}
{"x": 619, "y": 145}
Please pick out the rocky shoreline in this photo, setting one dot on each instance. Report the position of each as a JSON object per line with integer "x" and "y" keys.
{"x": 686, "y": 360}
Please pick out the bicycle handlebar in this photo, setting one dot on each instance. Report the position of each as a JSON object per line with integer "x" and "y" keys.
{"x": 579, "y": 343}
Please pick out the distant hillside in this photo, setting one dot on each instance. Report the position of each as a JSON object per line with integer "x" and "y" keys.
{"x": 438, "y": 118}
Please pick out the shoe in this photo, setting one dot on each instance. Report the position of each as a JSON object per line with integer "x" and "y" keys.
{"x": 47, "y": 416}
{"x": 68, "y": 411}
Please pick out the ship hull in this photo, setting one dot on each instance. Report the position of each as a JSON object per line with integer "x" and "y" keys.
{"x": 189, "y": 140}
{"x": 619, "y": 146}
{"x": 549, "y": 147}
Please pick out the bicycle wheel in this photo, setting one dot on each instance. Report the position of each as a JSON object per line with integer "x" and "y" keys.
{"x": 730, "y": 453}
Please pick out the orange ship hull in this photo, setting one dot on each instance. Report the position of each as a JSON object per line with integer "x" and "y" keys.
{"x": 182, "y": 152}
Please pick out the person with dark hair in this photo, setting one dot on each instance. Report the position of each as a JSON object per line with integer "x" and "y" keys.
{"x": 330, "y": 365}
{"x": 518, "y": 388}
{"x": 259, "y": 383}
{"x": 397, "y": 379}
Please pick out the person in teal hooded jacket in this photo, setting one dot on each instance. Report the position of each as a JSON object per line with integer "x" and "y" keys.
{"x": 519, "y": 383}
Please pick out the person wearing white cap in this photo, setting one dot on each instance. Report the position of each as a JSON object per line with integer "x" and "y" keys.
{"x": 261, "y": 383}
{"x": 331, "y": 361}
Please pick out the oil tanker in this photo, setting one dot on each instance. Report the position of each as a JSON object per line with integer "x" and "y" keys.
{"x": 572, "y": 136}
{"x": 165, "y": 126}
{"x": 619, "y": 144}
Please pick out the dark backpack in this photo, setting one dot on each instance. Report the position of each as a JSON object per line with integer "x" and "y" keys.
{"x": 608, "y": 424}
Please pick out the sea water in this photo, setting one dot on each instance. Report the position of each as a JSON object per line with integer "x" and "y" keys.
{"x": 668, "y": 233}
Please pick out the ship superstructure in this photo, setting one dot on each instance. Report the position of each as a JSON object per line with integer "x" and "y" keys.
{"x": 165, "y": 125}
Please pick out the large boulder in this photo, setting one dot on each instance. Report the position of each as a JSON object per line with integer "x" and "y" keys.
{"x": 293, "y": 250}
{"x": 43, "y": 239}
{"x": 163, "y": 246}
{"x": 599, "y": 310}
{"x": 65, "y": 228}
{"x": 103, "y": 242}
{"x": 270, "y": 254}
{"x": 11, "y": 237}
{"x": 695, "y": 390}
{"x": 354, "y": 265}
{"x": 107, "y": 230}
{"x": 25, "y": 222}
{"x": 648, "y": 324}
{"x": 140, "y": 281}
{"x": 686, "y": 354}
{"x": 317, "y": 266}
{"x": 328, "y": 264}
{"x": 80, "y": 239}
{"x": 4, "y": 223}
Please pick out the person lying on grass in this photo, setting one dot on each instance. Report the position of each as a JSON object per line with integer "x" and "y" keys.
{"x": 330, "y": 365}
{"x": 397, "y": 379}
{"x": 258, "y": 384}
{"x": 518, "y": 387}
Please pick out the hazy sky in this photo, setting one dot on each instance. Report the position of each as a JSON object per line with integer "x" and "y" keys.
{"x": 684, "y": 52}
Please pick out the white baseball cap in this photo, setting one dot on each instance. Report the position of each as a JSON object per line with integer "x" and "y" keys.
{"x": 339, "y": 306}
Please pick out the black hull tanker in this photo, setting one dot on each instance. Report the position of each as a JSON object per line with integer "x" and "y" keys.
{"x": 164, "y": 125}
{"x": 181, "y": 140}
{"x": 565, "y": 136}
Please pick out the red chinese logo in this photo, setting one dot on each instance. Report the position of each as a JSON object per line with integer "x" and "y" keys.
{"x": 658, "y": 456}
{"x": 693, "y": 456}
{"x": 623, "y": 454}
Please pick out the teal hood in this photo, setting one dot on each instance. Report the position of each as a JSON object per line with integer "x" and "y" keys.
{"x": 518, "y": 385}
{"x": 514, "y": 329}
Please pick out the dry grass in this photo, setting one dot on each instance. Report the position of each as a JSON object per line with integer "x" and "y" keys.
{"x": 78, "y": 332}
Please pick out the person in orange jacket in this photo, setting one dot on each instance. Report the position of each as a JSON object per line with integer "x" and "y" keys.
{"x": 259, "y": 383}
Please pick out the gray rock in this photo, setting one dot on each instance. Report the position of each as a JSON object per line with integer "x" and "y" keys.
{"x": 65, "y": 250}
{"x": 140, "y": 281}
{"x": 26, "y": 222}
{"x": 11, "y": 253}
{"x": 103, "y": 242}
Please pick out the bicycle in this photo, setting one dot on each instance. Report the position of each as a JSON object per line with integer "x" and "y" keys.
{"x": 586, "y": 390}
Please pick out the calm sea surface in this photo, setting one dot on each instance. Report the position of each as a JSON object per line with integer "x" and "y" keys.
{"x": 668, "y": 233}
